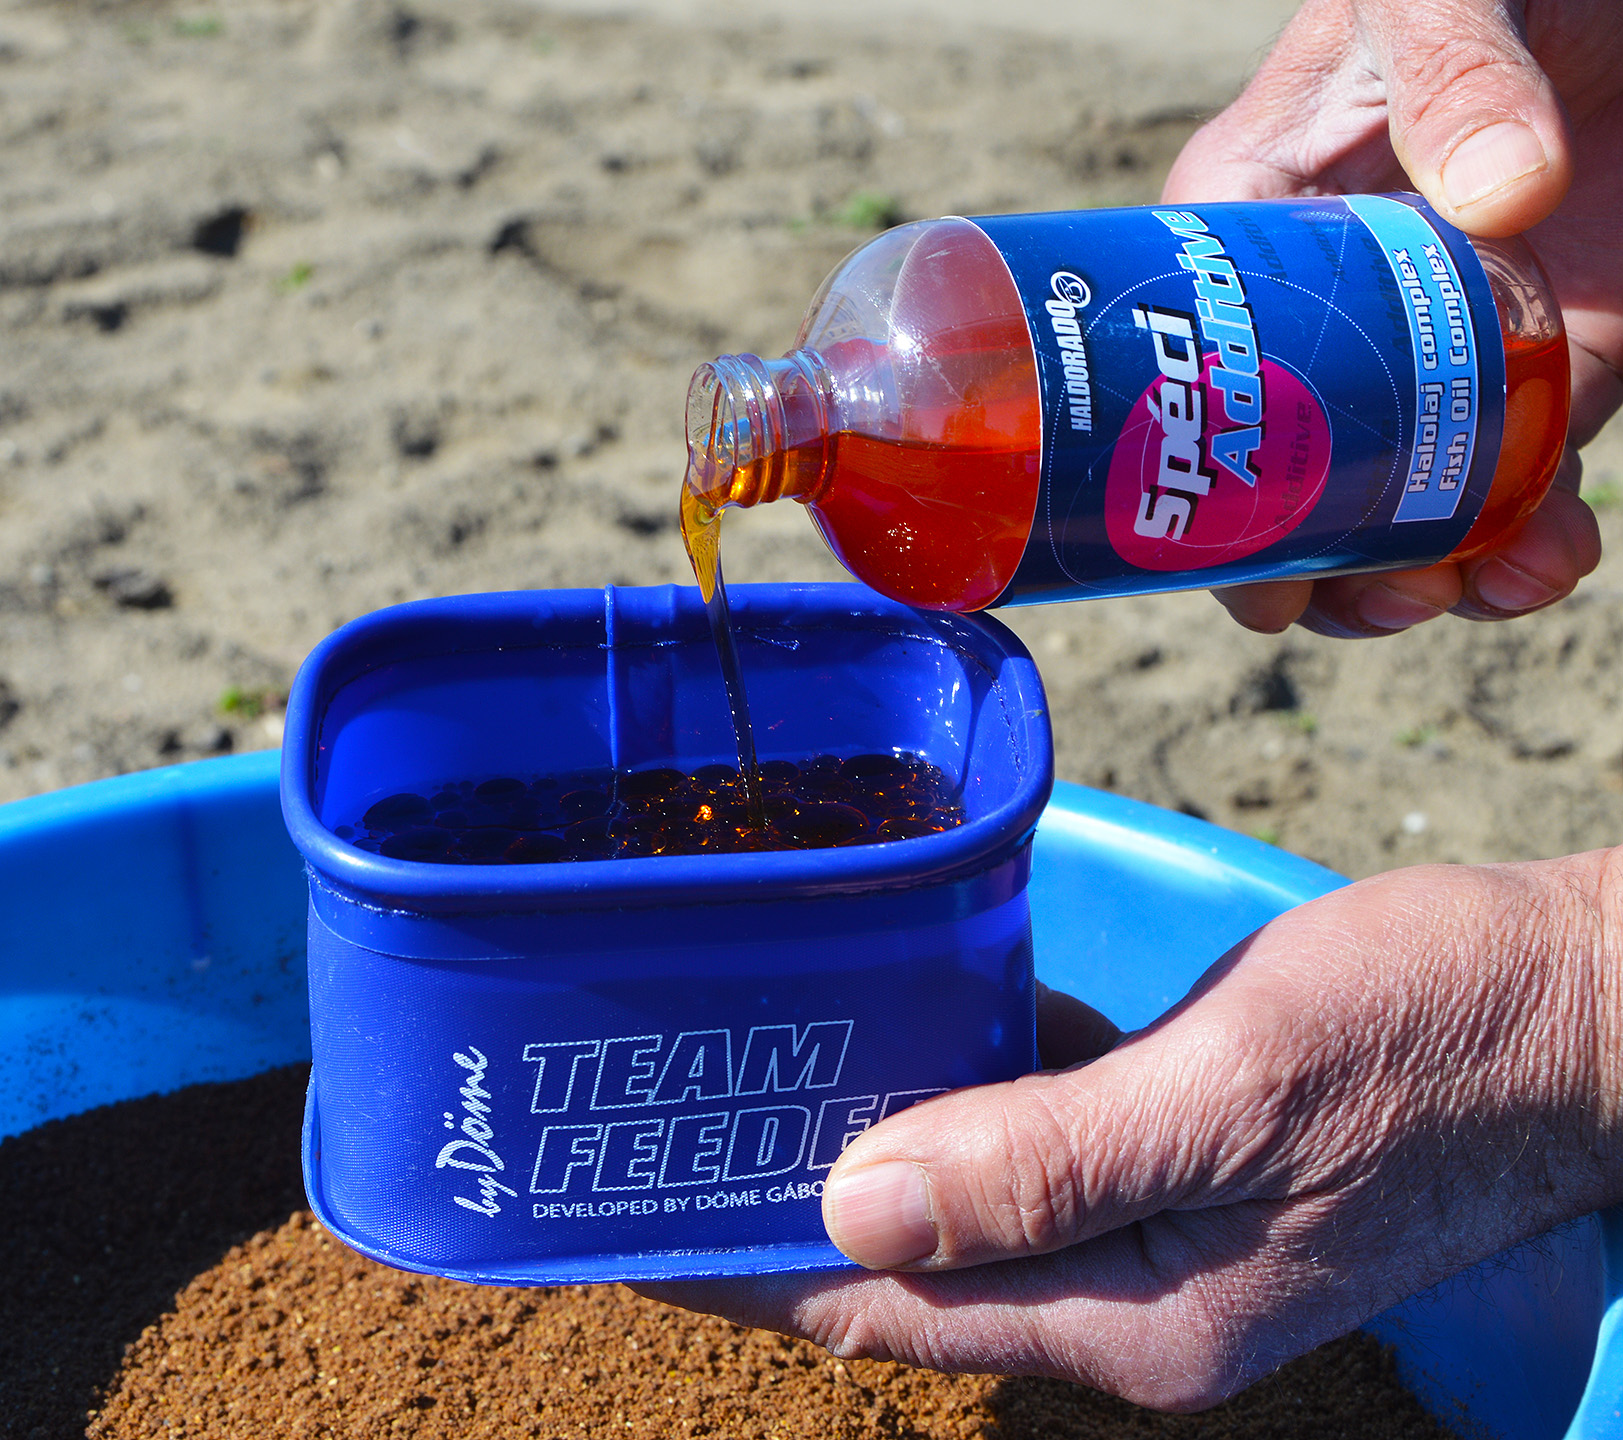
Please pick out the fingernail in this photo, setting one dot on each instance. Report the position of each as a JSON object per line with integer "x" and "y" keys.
{"x": 1489, "y": 160}
{"x": 1502, "y": 586}
{"x": 1384, "y": 608}
{"x": 879, "y": 1215}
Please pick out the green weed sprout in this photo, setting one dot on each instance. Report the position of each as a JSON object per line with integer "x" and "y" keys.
{"x": 1416, "y": 736}
{"x": 868, "y": 210}
{"x": 199, "y": 27}
{"x": 1604, "y": 494}
{"x": 249, "y": 704}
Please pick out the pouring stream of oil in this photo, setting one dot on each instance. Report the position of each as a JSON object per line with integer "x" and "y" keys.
{"x": 701, "y": 533}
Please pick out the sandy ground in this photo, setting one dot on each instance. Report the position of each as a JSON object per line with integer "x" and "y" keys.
{"x": 1222, "y": 40}
{"x": 309, "y": 308}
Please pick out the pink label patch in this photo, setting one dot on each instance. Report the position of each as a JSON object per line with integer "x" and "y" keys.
{"x": 1172, "y": 504}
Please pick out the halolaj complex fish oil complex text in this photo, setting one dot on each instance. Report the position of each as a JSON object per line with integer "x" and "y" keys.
{"x": 1023, "y": 408}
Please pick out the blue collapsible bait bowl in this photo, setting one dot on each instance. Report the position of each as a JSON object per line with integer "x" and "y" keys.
{"x": 154, "y": 933}
{"x": 644, "y": 1068}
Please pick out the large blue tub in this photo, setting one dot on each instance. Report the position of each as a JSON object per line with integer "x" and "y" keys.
{"x": 154, "y": 936}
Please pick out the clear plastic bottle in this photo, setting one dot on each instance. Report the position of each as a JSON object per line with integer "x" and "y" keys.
{"x": 910, "y": 418}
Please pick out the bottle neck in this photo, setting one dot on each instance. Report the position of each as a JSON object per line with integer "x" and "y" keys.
{"x": 759, "y": 430}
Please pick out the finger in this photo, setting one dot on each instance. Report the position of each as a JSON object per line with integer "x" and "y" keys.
{"x": 1474, "y": 120}
{"x": 1070, "y": 1032}
{"x": 1270, "y": 607}
{"x": 1597, "y": 385}
{"x": 1553, "y": 551}
{"x": 1309, "y": 111}
{"x": 1172, "y": 1114}
{"x": 1569, "y": 474}
{"x": 1348, "y": 606}
{"x": 1365, "y": 606}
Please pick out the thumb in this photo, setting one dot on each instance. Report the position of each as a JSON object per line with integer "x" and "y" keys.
{"x": 1474, "y": 120}
{"x": 1040, "y": 1163}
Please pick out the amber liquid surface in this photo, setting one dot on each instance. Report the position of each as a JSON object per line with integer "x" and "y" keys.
{"x": 935, "y": 526}
{"x": 819, "y": 804}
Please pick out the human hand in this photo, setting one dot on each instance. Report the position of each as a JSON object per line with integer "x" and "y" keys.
{"x": 1374, "y": 1091}
{"x": 1508, "y": 117}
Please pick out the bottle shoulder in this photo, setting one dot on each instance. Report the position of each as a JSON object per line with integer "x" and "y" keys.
{"x": 1528, "y": 311}
{"x": 924, "y": 337}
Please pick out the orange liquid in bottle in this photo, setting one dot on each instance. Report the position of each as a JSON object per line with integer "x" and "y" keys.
{"x": 930, "y": 525}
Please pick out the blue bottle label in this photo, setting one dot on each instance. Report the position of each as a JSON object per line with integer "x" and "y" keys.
{"x": 1251, "y": 391}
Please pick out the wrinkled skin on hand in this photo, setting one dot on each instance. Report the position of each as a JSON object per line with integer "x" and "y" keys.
{"x": 1508, "y": 118}
{"x": 1369, "y": 1094}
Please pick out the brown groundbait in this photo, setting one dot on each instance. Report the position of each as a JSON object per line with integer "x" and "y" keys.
{"x": 288, "y": 1333}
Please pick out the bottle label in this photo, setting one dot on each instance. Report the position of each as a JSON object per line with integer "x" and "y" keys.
{"x": 1253, "y": 390}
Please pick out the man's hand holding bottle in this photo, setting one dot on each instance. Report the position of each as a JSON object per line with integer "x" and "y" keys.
{"x": 1509, "y": 119}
